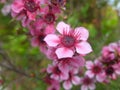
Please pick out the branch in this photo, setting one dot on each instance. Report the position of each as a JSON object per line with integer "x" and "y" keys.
{"x": 12, "y": 67}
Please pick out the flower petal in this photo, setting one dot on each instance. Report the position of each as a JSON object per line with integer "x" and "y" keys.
{"x": 78, "y": 61}
{"x": 83, "y": 87}
{"x": 50, "y": 69}
{"x": 101, "y": 77}
{"x": 31, "y": 16}
{"x": 67, "y": 85}
{"x": 82, "y": 32}
{"x": 63, "y": 27}
{"x": 89, "y": 74}
{"x": 92, "y": 86}
{"x": 64, "y": 76}
{"x": 54, "y": 76}
{"x": 49, "y": 29}
{"x": 89, "y": 64}
{"x": 75, "y": 80}
{"x": 83, "y": 48}
{"x": 52, "y": 40}
{"x": 64, "y": 52}
{"x": 17, "y": 6}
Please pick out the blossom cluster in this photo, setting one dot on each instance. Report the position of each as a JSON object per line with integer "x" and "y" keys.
{"x": 64, "y": 46}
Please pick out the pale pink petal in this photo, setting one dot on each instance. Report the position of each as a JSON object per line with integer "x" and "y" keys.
{"x": 50, "y": 68}
{"x": 89, "y": 74}
{"x": 83, "y": 87}
{"x": 83, "y": 48}
{"x": 63, "y": 27}
{"x": 64, "y": 52}
{"x": 89, "y": 64}
{"x": 76, "y": 80}
{"x": 17, "y": 6}
{"x": 64, "y": 76}
{"x": 92, "y": 86}
{"x": 52, "y": 40}
{"x": 78, "y": 61}
{"x": 97, "y": 62}
{"x": 82, "y": 32}
{"x": 100, "y": 77}
{"x": 54, "y": 76}
{"x": 67, "y": 85}
{"x": 114, "y": 76}
{"x": 117, "y": 72}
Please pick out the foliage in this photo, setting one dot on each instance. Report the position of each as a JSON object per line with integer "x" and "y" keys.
{"x": 102, "y": 21}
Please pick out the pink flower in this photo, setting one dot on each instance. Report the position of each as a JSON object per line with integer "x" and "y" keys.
{"x": 69, "y": 41}
{"x": 95, "y": 69}
{"x": 75, "y": 62}
{"x": 87, "y": 83}
{"x": 73, "y": 79}
{"x": 6, "y": 9}
{"x": 53, "y": 84}
{"x": 112, "y": 71}
{"x": 27, "y": 8}
{"x": 48, "y": 21}
{"x": 56, "y": 73}
{"x": 38, "y": 39}
{"x": 108, "y": 53}
{"x": 111, "y": 53}
{"x": 51, "y": 53}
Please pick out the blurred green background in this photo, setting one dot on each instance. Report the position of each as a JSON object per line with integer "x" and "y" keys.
{"x": 100, "y": 17}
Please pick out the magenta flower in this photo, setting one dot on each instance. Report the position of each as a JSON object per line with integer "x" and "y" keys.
{"x": 69, "y": 41}
{"x": 75, "y": 62}
{"x": 108, "y": 53}
{"x": 47, "y": 21}
{"x": 53, "y": 84}
{"x": 87, "y": 83}
{"x": 95, "y": 70}
{"x": 56, "y": 73}
{"x": 27, "y": 8}
{"x": 112, "y": 71}
{"x": 73, "y": 79}
{"x": 38, "y": 39}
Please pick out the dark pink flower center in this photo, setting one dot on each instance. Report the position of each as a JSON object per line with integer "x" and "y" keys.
{"x": 87, "y": 81}
{"x": 30, "y": 5}
{"x": 109, "y": 70}
{"x": 57, "y": 70}
{"x": 53, "y": 88}
{"x": 68, "y": 41}
{"x": 41, "y": 38}
{"x": 96, "y": 69}
{"x": 49, "y": 18}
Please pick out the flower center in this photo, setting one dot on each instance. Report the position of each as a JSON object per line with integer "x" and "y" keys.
{"x": 87, "y": 81}
{"x": 41, "y": 38}
{"x": 30, "y": 5}
{"x": 68, "y": 41}
{"x": 56, "y": 70}
{"x": 53, "y": 88}
{"x": 109, "y": 70}
{"x": 49, "y": 18}
{"x": 96, "y": 69}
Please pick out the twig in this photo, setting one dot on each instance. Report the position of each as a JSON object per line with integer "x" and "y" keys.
{"x": 12, "y": 67}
